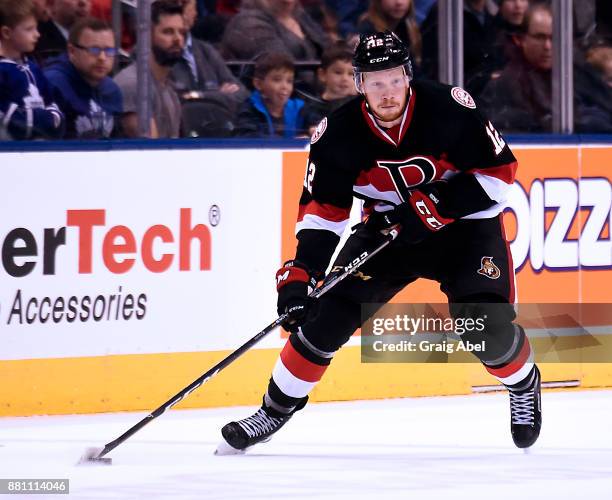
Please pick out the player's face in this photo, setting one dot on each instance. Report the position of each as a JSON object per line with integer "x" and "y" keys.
{"x": 537, "y": 42}
{"x": 276, "y": 87}
{"x": 93, "y": 68}
{"x": 513, "y": 11}
{"x": 385, "y": 92}
{"x": 24, "y": 35}
{"x": 338, "y": 79}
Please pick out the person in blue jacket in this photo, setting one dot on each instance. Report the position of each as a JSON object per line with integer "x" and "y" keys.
{"x": 270, "y": 111}
{"x": 91, "y": 100}
{"x": 27, "y": 110}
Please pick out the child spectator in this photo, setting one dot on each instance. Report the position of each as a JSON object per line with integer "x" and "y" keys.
{"x": 270, "y": 111}
{"x": 27, "y": 110}
{"x": 336, "y": 78}
{"x": 90, "y": 99}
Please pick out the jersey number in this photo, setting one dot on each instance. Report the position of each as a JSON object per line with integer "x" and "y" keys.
{"x": 310, "y": 173}
{"x": 498, "y": 142}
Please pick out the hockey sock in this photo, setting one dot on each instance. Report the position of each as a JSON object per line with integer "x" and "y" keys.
{"x": 515, "y": 368}
{"x": 298, "y": 369}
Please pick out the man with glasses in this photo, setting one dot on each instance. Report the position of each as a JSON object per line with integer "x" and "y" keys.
{"x": 91, "y": 100}
{"x": 520, "y": 99}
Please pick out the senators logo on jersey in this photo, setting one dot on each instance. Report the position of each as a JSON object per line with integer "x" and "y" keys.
{"x": 488, "y": 268}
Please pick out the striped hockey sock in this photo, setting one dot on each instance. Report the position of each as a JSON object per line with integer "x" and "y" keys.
{"x": 298, "y": 369}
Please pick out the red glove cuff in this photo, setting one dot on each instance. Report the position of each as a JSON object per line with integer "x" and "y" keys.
{"x": 425, "y": 208}
{"x": 290, "y": 273}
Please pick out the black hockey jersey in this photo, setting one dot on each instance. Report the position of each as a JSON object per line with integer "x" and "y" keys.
{"x": 443, "y": 136}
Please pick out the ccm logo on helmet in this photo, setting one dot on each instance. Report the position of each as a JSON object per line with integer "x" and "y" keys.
{"x": 379, "y": 59}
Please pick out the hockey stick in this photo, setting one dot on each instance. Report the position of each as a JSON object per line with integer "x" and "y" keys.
{"x": 93, "y": 455}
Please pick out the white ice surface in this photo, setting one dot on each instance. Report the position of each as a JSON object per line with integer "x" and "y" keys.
{"x": 447, "y": 448}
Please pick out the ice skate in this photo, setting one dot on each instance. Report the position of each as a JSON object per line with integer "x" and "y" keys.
{"x": 258, "y": 428}
{"x": 526, "y": 413}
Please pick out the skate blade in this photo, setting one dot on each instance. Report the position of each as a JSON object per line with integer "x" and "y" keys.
{"x": 225, "y": 448}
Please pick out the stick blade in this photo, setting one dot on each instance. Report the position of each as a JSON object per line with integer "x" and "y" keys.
{"x": 92, "y": 457}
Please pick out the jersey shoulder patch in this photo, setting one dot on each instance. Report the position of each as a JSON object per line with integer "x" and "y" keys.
{"x": 463, "y": 97}
{"x": 319, "y": 131}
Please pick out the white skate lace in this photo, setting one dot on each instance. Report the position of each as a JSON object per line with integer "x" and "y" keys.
{"x": 260, "y": 423}
{"x": 521, "y": 408}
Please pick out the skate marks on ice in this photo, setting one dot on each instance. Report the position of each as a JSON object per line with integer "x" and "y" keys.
{"x": 413, "y": 448}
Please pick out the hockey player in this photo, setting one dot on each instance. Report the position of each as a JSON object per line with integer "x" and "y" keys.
{"x": 423, "y": 156}
{"x": 26, "y": 107}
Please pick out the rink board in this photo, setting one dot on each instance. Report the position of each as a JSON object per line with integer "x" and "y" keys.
{"x": 175, "y": 251}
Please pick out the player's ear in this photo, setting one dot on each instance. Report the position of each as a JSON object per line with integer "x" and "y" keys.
{"x": 257, "y": 83}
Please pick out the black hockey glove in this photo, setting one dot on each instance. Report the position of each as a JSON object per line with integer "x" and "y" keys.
{"x": 293, "y": 283}
{"x": 418, "y": 218}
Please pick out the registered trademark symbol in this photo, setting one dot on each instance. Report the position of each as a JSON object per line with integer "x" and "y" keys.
{"x": 214, "y": 215}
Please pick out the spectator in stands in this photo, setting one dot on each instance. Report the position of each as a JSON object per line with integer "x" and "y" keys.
{"x": 512, "y": 12}
{"x": 336, "y": 78}
{"x": 397, "y": 16}
{"x": 520, "y": 100}
{"x": 54, "y": 32}
{"x": 273, "y": 26}
{"x": 270, "y": 111}
{"x": 27, "y": 110}
{"x": 347, "y": 13}
{"x": 479, "y": 35}
{"x": 320, "y": 12}
{"x": 89, "y": 98}
{"x": 167, "y": 43}
{"x": 600, "y": 57}
{"x": 202, "y": 68}
{"x": 41, "y": 10}
{"x": 508, "y": 23}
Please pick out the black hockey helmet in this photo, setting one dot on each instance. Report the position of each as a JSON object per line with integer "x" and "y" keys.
{"x": 380, "y": 51}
